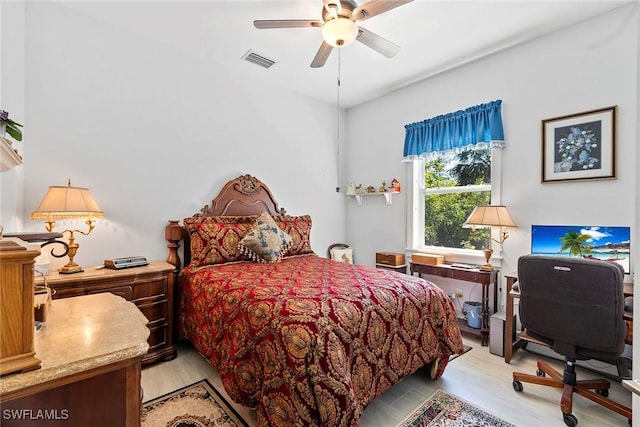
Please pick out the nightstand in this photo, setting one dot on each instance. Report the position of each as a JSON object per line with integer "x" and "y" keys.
{"x": 149, "y": 287}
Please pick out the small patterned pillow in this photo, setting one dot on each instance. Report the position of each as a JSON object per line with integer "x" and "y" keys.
{"x": 265, "y": 242}
{"x": 299, "y": 228}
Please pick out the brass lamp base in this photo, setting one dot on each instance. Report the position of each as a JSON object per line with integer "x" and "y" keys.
{"x": 71, "y": 269}
{"x": 487, "y": 255}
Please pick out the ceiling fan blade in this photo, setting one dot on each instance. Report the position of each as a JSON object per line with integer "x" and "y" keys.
{"x": 322, "y": 55}
{"x": 377, "y": 43}
{"x": 376, "y": 7}
{"x": 286, "y": 23}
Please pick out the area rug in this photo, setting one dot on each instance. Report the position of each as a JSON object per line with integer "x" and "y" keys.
{"x": 196, "y": 405}
{"x": 455, "y": 356}
{"x": 445, "y": 410}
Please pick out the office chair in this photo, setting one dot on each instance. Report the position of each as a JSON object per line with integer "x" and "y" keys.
{"x": 575, "y": 306}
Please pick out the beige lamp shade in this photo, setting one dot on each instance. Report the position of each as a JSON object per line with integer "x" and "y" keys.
{"x": 67, "y": 202}
{"x": 490, "y": 216}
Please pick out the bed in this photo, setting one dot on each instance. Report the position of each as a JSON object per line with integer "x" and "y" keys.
{"x": 303, "y": 339}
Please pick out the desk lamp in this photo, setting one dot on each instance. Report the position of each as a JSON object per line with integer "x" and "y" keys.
{"x": 68, "y": 203}
{"x": 491, "y": 216}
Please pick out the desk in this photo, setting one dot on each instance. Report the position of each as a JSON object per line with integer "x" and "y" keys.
{"x": 514, "y": 341}
{"x": 485, "y": 278}
{"x": 91, "y": 349}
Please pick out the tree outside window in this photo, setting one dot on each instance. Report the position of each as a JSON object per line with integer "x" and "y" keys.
{"x": 454, "y": 186}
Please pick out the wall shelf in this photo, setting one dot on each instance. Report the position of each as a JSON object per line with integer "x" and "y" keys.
{"x": 387, "y": 195}
{"x": 9, "y": 157}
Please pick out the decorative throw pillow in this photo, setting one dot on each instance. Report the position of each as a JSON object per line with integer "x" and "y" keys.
{"x": 265, "y": 242}
{"x": 343, "y": 255}
{"x": 214, "y": 240}
{"x": 299, "y": 228}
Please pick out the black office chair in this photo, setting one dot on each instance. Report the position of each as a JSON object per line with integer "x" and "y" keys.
{"x": 576, "y": 307}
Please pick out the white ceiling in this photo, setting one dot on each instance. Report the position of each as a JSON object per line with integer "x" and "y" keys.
{"x": 435, "y": 36}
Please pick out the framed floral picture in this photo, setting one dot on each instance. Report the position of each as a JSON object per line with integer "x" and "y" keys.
{"x": 579, "y": 146}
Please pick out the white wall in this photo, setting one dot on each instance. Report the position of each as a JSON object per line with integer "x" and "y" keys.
{"x": 584, "y": 67}
{"x": 154, "y": 132}
{"x": 12, "y": 23}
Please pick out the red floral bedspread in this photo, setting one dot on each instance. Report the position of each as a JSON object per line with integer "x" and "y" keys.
{"x": 311, "y": 341}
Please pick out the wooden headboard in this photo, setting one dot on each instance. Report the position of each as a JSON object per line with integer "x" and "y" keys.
{"x": 242, "y": 196}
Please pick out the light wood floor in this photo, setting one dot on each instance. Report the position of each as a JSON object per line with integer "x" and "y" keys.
{"x": 477, "y": 376}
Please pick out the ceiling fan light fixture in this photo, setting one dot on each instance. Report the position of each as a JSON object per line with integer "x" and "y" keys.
{"x": 339, "y": 32}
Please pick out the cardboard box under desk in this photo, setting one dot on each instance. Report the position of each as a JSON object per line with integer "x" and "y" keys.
{"x": 389, "y": 258}
{"x": 427, "y": 259}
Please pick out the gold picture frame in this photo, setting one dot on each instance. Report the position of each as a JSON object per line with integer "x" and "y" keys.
{"x": 580, "y": 146}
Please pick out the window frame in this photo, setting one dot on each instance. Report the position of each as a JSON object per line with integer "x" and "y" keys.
{"x": 415, "y": 212}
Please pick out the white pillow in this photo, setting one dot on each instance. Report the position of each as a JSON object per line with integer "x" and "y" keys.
{"x": 342, "y": 254}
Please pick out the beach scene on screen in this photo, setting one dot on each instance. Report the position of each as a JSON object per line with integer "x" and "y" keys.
{"x": 598, "y": 242}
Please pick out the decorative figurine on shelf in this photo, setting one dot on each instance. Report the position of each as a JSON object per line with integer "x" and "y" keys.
{"x": 383, "y": 187}
{"x": 371, "y": 189}
{"x": 359, "y": 189}
{"x": 351, "y": 189}
{"x": 395, "y": 185}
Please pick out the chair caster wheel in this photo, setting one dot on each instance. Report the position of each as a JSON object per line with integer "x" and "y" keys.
{"x": 603, "y": 392}
{"x": 517, "y": 385}
{"x": 540, "y": 373}
{"x": 570, "y": 420}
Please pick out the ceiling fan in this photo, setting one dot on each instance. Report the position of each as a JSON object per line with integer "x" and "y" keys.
{"x": 340, "y": 28}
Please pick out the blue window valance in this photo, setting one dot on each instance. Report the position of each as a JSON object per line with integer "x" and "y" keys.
{"x": 476, "y": 127}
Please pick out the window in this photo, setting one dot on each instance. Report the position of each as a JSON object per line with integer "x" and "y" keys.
{"x": 453, "y": 162}
{"x": 446, "y": 189}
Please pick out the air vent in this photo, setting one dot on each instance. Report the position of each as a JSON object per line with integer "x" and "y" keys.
{"x": 256, "y": 58}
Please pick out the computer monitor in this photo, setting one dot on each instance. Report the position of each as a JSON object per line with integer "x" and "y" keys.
{"x": 600, "y": 242}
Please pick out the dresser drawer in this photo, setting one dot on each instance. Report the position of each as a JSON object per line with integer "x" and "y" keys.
{"x": 125, "y": 292}
{"x": 150, "y": 287}
{"x": 155, "y": 311}
{"x": 61, "y": 291}
{"x": 157, "y": 338}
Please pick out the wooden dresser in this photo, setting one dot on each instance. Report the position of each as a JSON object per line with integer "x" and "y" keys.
{"x": 16, "y": 308}
{"x": 149, "y": 287}
{"x": 91, "y": 348}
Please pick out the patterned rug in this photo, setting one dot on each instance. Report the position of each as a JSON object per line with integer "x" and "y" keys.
{"x": 445, "y": 410}
{"x": 196, "y": 405}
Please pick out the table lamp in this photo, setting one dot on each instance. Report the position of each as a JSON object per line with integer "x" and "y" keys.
{"x": 491, "y": 216}
{"x": 68, "y": 203}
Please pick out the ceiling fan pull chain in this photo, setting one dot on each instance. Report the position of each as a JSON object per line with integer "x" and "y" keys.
{"x": 338, "y": 136}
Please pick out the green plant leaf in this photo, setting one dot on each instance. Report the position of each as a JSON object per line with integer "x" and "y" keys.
{"x": 14, "y": 131}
